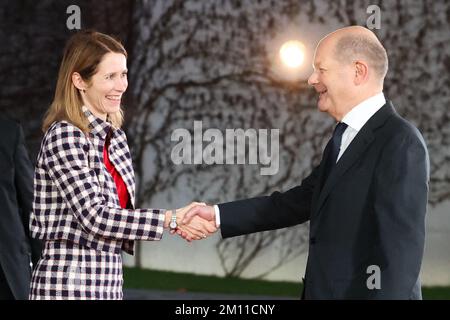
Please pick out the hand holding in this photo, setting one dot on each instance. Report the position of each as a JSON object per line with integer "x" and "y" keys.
{"x": 198, "y": 218}
{"x": 198, "y": 228}
{"x": 202, "y": 211}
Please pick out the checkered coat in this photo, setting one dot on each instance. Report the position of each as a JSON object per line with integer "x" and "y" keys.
{"x": 76, "y": 210}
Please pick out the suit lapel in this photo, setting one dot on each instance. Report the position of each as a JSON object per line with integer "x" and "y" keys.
{"x": 353, "y": 152}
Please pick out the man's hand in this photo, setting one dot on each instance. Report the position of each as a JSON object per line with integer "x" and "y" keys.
{"x": 201, "y": 210}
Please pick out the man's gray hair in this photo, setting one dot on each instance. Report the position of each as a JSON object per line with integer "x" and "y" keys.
{"x": 352, "y": 47}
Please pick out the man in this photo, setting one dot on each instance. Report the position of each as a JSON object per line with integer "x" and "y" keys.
{"x": 17, "y": 249}
{"x": 366, "y": 200}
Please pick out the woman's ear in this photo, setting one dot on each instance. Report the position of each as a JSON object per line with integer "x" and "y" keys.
{"x": 78, "y": 82}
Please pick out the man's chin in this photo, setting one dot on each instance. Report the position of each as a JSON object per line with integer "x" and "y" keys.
{"x": 322, "y": 107}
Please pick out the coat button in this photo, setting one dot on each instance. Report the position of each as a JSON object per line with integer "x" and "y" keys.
{"x": 312, "y": 241}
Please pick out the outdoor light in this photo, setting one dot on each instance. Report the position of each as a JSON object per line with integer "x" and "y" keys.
{"x": 292, "y": 53}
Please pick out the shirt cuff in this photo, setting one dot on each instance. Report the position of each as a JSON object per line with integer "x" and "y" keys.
{"x": 217, "y": 214}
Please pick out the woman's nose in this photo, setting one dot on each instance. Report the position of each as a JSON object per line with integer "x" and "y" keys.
{"x": 121, "y": 85}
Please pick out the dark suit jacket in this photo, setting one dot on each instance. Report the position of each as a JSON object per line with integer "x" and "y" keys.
{"x": 370, "y": 211}
{"x": 16, "y": 196}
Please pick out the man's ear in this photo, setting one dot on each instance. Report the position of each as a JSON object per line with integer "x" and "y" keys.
{"x": 361, "y": 72}
{"x": 78, "y": 81}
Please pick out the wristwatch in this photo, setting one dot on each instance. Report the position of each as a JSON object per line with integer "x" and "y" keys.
{"x": 173, "y": 221}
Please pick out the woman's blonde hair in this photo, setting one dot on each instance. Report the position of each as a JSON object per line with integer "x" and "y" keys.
{"x": 83, "y": 53}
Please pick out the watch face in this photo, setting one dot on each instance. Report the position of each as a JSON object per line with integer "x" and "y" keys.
{"x": 173, "y": 225}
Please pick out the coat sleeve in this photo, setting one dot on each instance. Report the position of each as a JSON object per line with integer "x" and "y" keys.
{"x": 66, "y": 160}
{"x": 23, "y": 180}
{"x": 279, "y": 210}
{"x": 401, "y": 193}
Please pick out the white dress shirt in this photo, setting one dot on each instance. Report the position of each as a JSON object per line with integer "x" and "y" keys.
{"x": 356, "y": 118}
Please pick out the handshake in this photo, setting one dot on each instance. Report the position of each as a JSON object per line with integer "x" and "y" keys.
{"x": 194, "y": 222}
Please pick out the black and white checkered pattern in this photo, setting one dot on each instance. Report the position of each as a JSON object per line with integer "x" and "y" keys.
{"x": 70, "y": 271}
{"x": 75, "y": 200}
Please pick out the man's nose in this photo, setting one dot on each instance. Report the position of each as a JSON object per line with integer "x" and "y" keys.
{"x": 312, "y": 80}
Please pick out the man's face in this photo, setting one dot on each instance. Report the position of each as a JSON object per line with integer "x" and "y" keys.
{"x": 332, "y": 80}
{"x": 107, "y": 86}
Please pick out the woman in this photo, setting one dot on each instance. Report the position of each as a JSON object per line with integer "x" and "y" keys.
{"x": 84, "y": 182}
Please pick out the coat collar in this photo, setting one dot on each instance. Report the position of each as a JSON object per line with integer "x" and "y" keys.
{"x": 98, "y": 126}
{"x": 359, "y": 115}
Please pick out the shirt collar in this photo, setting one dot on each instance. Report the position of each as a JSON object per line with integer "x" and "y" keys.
{"x": 97, "y": 125}
{"x": 359, "y": 115}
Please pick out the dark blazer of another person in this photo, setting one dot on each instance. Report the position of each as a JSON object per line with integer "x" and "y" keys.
{"x": 369, "y": 212}
{"x": 17, "y": 249}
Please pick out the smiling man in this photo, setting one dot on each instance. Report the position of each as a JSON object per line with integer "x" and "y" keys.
{"x": 349, "y": 67}
{"x": 366, "y": 200}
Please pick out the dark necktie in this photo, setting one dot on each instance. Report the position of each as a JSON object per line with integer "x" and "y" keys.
{"x": 335, "y": 147}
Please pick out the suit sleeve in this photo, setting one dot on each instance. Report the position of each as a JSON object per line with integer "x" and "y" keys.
{"x": 401, "y": 193}
{"x": 279, "y": 210}
{"x": 67, "y": 165}
{"x": 23, "y": 179}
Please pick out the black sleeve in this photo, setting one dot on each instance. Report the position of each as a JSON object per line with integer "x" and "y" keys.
{"x": 23, "y": 180}
{"x": 279, "y": 210}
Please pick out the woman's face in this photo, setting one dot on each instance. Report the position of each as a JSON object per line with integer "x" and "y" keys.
{"x": 104, "y": 94}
